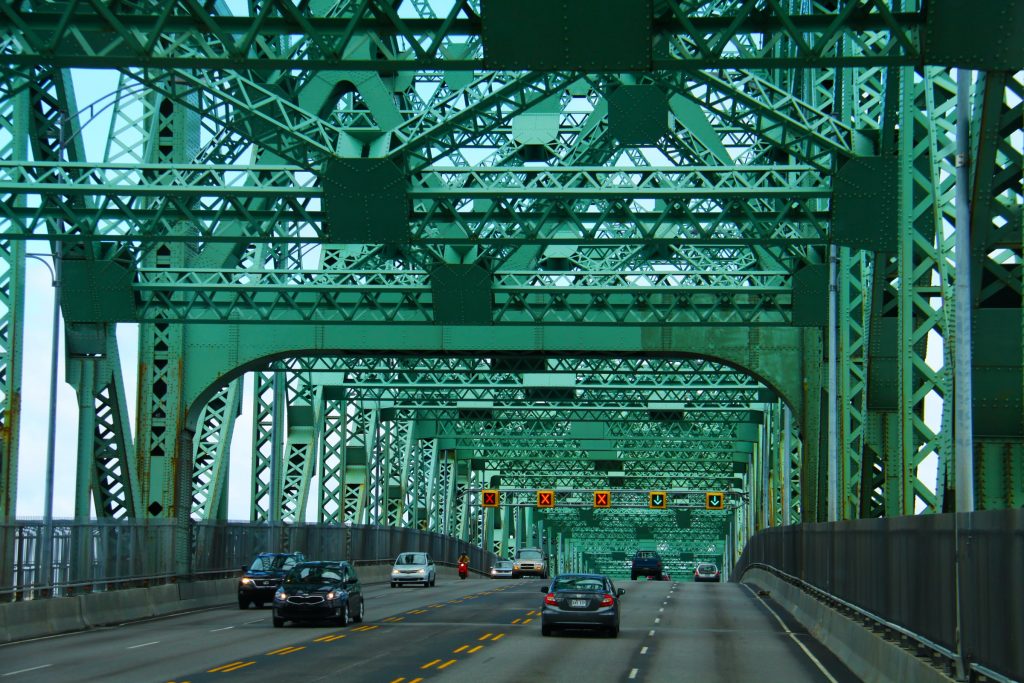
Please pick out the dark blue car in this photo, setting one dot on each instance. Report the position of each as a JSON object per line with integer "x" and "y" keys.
{"x": 259, "y": 581}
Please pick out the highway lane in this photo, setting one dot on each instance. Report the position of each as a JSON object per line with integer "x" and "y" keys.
{"x": 459, "y": 631}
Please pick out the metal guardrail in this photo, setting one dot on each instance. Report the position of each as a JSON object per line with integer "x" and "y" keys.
{"x": 936, "y": 579}
{"x": 109, "y": 554}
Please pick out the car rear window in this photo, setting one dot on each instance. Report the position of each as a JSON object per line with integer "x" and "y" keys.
{"x": 579, "y": 584}
{"x": 707, "y": 569}
{"x": 646, "y": 554}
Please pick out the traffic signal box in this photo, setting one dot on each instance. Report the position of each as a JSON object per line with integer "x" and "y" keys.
{"x": 657, "y": 500}
{"x": 602, "y": 499}
{"x": 489, "y": 498}
{"x": 714, "y": 500}
{"x": 545, "y": 499}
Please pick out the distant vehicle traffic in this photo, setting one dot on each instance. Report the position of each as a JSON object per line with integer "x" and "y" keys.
{"x": 530, "y": 562}
{"x": 588, "y": 601}
{"x": 646, "y": 563}
{"x": 413, "y": 567}
{"x": 501, "y": 569}
{"x": 706, "y": 571}
{"x": 319, "y": 591}
{"x": 259, "y": 581}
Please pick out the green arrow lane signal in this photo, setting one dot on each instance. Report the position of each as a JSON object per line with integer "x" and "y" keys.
{"x": 714, "y": 500}
{"x": 657, "y": 500}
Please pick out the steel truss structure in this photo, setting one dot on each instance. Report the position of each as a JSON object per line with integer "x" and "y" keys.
{"x": 431, "y": 247}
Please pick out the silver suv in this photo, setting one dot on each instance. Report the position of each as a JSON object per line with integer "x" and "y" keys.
{"x": 530, "y": 561}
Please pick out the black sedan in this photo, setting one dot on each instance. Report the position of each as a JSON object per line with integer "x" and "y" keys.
{"x": 319, "y": 591}
{"x": 588, "y": 601}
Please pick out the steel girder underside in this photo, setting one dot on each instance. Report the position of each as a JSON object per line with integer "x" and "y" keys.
{"x": 452, "y": 247}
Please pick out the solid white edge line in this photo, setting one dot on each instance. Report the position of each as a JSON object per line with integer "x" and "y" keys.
{"x": 132, "y": 647}
{"x": 24, "y": 671}
{"x": 222, "y": 629}
{"x": 817, "y": 663}
{"x": 633, "y": 673}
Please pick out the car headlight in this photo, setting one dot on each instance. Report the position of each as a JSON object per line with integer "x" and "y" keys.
{"x": 280, "y": 595}
{"x": 245, "y": 581}
{"x": 515, "y": 566}
{"x": 331, "y": 595}
{"x": 421, "y": 571}
{"x": 395, "y": 572}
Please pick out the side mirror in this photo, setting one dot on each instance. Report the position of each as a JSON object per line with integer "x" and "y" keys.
{"x": 544, "y": 590}
{"x": 244, "y": 567}
{"x": 621, "y": 591}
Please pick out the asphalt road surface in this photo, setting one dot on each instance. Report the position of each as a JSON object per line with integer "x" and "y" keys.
{"x": 475, "y": 630}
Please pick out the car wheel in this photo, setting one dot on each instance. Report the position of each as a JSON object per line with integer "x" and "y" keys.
{"x": 632, "y": 577}
{"x": 343, "y": 615}
{"x": 613, "y": 632}
{"x": 362, "y": 609}
{"x": 243, "y": 603}
{"x": 545, "y": 630}
{"x": 259, "y": 604}
{"x": 278, "y": 622}
{"x": 433, "y": 581}
{"x": 394, "y": 585}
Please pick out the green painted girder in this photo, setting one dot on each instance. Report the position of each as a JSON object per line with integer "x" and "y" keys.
{"x": 529, "y": 297}
{"x": 293, "y": 183}
{"x": 187, "y": 35}
{"x": 212, "y": 452}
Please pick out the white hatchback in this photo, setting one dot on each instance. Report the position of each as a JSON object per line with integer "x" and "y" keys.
{"x": 413, "y": 567}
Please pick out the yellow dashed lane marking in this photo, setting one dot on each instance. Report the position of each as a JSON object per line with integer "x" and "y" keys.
{"x": 233, "y": 666}
{"x": 417, "y": 611}
{"x": 515, "y": 621}
{"x": 476, "y": 649}
{"x": 447, "y": 664}
{"x": 484, "y": 636}
{"x": 364, "y": 628}
{"x": 286, "y": 650}
{"x": 437, "y": 606}
{"x": 430, "y": 664}
{"x": 460, "y": 649}
{"x": 393, "y": 619}
{"x": 498, "y": 637}
{"x": 527, "y": 621}
{"x": 327, "y": 639}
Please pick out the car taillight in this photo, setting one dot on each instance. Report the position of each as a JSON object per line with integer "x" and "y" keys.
{"x": 607, "y": 601}
{"x": 549, "y": 599}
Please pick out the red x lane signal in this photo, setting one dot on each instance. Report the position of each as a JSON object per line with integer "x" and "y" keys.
{"x": 545, "y": 499}
{"x": 602, "y": 499}
{"x": 489, "y": 498}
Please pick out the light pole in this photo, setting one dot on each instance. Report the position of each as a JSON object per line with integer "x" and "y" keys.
{"x": 46, "y": 559}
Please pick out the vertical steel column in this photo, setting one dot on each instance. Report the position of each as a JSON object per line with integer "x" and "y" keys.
{"x": 833, "y": 388}
{"x": 964, "y": 427}
{"x": 276, "y": 447}
{"x": 787, "y": 473}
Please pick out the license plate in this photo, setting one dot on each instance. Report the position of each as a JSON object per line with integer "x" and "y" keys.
{"x": 577, "y": 603}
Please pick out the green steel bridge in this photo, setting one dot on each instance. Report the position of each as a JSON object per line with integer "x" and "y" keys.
{"x": 765, "y": 248}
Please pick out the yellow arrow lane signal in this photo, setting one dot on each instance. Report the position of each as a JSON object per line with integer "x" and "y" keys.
{"x": 657, "y": 500}
{"x": 714, "y": 500}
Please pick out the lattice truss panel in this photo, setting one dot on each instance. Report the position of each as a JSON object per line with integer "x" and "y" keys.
{"x": 244, "y": 144}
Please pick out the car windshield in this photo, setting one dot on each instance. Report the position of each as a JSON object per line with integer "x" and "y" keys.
{"x": 578, "y": 583}
{"x": 267, "y": 563}
{"x": 503, "y": 564}
{"x": 411, "y": 558}
{"x": 313, "y": 574}
{"x": 530, "y": 555}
